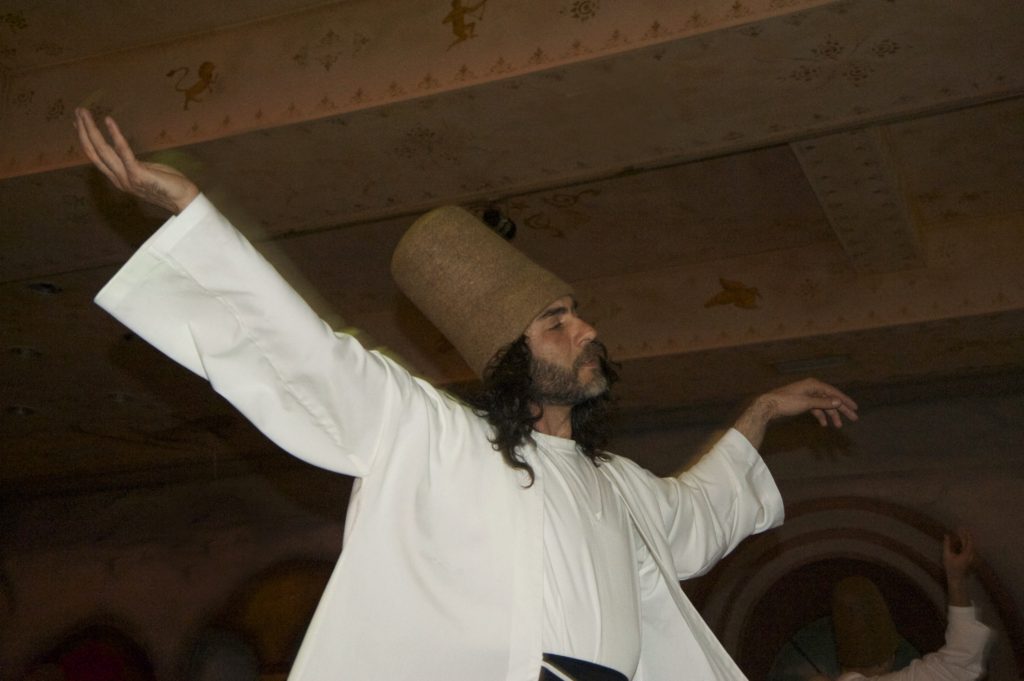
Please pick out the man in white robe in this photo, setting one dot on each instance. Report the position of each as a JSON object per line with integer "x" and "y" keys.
{"x": 459, "y": 562}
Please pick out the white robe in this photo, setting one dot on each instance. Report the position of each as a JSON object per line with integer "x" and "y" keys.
{"x": 441, "y": 572}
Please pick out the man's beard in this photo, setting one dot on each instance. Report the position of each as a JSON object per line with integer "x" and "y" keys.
{"x": 556, "y": 385}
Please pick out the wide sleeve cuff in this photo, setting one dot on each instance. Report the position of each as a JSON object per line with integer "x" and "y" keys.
{"x": 152, "y": 251}
{"x": 734, "y": 458}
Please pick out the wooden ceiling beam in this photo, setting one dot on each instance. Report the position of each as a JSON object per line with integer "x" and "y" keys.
{"x": 856, "y": 179}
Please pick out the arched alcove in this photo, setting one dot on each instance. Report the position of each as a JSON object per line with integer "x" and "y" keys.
{"x": 802, "y": 597}
{"x": 777, "y": 582}
{"x": 261, "y": 625}
{"x": 93, "y": 652}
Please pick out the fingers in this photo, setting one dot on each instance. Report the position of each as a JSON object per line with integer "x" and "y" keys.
{"x": 82, "y": 121}
{"x": 121, "y": 146}
{"x": 99, "y": 152}
{"x": 834, "y": 416}
{"x": 847, "y": 412}
{"x": 827, "y": 404}
{"x": 960, "y": 540}
{"x": 958, "y": 548}
{"x": 845, "y": 403}
{"x": 828, "y": 410}
{"x": 966, "y": 543}
{"x": 819, "y": 414}
{"x": 827, "y": 416}
{"x": 89, "y": 137}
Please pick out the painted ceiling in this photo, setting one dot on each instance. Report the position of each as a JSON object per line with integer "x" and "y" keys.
{"x": 742, "y": 192}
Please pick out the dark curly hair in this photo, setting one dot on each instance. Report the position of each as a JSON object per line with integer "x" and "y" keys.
{"x": 504, "y": 398}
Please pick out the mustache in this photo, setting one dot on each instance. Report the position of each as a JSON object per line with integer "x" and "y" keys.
{"x": 594, "y": 350}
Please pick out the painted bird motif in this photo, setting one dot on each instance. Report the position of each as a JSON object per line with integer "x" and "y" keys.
{"x": 734, "y": 293}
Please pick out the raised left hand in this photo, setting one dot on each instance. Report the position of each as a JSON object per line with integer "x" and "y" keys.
{"x": 826, "y": 403}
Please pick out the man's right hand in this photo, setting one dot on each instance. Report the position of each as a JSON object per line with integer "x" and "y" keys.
{"x": 154, "y": 183}
{"x": 958, "y": 557}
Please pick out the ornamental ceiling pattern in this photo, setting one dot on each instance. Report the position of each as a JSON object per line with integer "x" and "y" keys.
{"x": 737, "y": 189}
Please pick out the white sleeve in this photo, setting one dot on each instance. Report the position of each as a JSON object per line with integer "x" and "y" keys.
{"x": 962, "y": 658}
{"x": 200, "y": 293}
{"x": 725, "y": 497}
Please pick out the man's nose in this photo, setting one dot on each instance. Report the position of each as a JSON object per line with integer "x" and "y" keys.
{"x": 585, "y": 333}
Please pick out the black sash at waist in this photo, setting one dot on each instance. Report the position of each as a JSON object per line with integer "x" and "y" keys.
{"x": 577, "y": 670}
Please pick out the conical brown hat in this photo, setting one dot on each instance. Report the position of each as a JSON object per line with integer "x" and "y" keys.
{"x": 474, "y": 286}
{"x": 864, "y": 630}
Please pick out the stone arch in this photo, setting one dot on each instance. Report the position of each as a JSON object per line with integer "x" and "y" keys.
{"x": 93, "y": 652}
{"x": 262, "y": 623}
{"x": 802, "y": 597}
{"x": 823, "y": 538}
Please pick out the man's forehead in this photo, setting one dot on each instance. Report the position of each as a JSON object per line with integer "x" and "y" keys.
{"x": 557, "y": 307}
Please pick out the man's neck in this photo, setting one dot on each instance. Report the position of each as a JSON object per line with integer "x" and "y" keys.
{"x": 555, "y": 420}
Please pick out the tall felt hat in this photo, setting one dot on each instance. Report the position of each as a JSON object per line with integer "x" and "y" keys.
{"x": 864, "y": 631}
{"x": 474, "y": 286}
